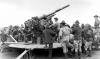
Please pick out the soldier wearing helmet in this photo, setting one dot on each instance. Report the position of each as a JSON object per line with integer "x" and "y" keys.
{"x": 76, "y": 31}
{"x": 88, "y": 38}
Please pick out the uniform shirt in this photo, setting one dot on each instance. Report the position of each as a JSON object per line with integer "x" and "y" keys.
{"x": 57, "y": 24}
{"x": 42, "y": 22}
{"x": 3, "y": 37}
{"x": 64, "y": 33}
{"x": 77, "y": 31}
{"x": 88, "y": 33}
{"x": 99, "y": 33}
{"x": 82, "y": 32}
{"x": 16, "y": 32}
{"x": 48, "y": 35}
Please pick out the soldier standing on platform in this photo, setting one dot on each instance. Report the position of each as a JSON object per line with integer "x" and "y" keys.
{"x": 4, "y": 36}
{"x": 57, "y": 27}
{"x": 64, "y": 35}
{"x": 49, "y": 37}
{"x": 76, "y": 31}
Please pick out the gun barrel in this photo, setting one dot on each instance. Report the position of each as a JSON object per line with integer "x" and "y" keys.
{"x": 58, "y": 10}
{"x": 55, "y": 11}
{"x": 65, "y": 6}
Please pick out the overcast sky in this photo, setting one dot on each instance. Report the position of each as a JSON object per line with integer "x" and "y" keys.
{"x": 15, "y": 12}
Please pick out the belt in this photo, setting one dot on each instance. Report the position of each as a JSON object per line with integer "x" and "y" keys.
{"x": 66, "y": 34}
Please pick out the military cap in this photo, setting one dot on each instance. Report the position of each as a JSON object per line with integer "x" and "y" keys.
{"x": 96, "y": 16}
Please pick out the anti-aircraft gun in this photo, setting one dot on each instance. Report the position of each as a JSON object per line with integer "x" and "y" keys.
{"x": 45, "y": 17}
{"x": 48, "y": 17}
{"x": 37, "y": 27}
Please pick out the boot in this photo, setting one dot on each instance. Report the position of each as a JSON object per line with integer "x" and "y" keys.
{"x": 76, "y": 55}
{"x": 65, "y": 54}
{"x": 80, "y": 55}
{"x": 89, "y": 53}
{"x": 50, "y": 53}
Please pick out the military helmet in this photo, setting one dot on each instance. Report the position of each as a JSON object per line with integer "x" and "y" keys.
{"x": 77, "y": 22}
{"x": 87, "y": 26}
{"x": 62, "y": 22}
{"x": 56, "y": 18}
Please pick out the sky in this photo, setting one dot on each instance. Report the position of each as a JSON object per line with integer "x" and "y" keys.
{"x": 15, "y": 12}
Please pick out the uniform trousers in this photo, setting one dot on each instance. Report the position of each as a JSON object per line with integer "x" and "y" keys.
{"x": 77, "y": 45}
{"x": 65, "y": 43}
{"x": 88, "y": 44}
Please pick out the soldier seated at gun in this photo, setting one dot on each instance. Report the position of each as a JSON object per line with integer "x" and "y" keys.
{"x": 16, "y": 33}
{"x": 27, "y": 34}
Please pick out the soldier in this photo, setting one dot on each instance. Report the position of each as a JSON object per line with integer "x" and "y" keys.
{"x": 3, "y": 39}
{"x": 10, "y": 30}
{"x": 64, "y": 35}
{"x": 57, "y": 26}
{"x": 49, "y": 37}
{"x": 76, "y": 31}
{"x": 83, "y": 43}
{"x": 16, "y": 33}
{"x": 72, "y": 26}
{"x": 57, "y": 23}
{"x": 22, "y": 32}
{"x": 88, "y": 37}
{"x": 26, "y": 24}
{"x": 27, "y": 34}
{"x": 97, "y": 36}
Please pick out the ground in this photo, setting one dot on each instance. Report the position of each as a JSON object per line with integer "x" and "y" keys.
{"x": 8, "y": 54}
{"x": 42, "y": 54}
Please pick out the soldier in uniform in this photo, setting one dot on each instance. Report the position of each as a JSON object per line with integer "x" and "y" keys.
{"x": 97, "y": 36}
{"x": 76, "y": 31}
{"x": 27, "y": 34}
{"x": 88, "y": 37}
{"x": 56, "y": 26}
{"x": 10, "y": 30}
{"x": 49, "y": 37}
{"x": 64, "y": 35}
{"x": 16, "y": 33}
{"x": 83, "y": 43}
{"x": 3, "y": 39}
{"x": 22, "y": 33}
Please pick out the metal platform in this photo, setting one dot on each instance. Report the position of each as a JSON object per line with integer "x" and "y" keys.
{"x": 29, "y": 47}
{"x": 32, "y": 46}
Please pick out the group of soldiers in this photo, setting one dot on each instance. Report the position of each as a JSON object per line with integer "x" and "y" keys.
{"x": 42, "y": 30}
{"x": 75, "y": 37}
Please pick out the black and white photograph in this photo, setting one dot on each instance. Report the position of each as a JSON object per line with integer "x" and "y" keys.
{"x": 49, "y": 29}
